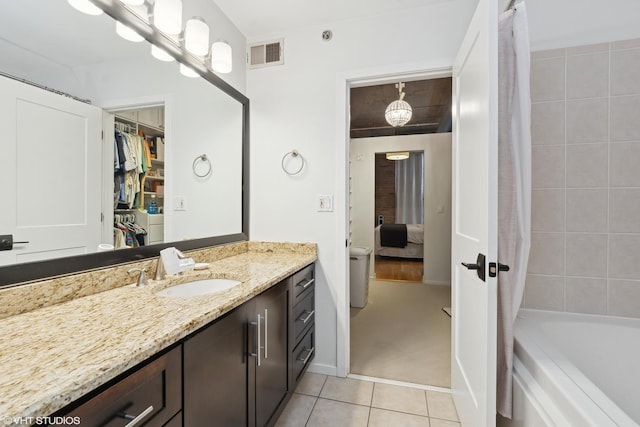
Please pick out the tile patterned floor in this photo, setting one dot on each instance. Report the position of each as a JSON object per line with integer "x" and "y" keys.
{"x": 320, "y": 400}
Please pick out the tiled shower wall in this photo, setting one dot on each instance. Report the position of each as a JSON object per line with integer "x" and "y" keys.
{"x": 585, "y": 243}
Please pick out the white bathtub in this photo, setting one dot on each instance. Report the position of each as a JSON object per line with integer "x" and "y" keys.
{"x": 576, "y": 370}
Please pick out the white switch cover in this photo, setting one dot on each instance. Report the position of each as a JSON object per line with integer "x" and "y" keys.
{"x": 179, "y": 203}
{"x": 325, "y": 203}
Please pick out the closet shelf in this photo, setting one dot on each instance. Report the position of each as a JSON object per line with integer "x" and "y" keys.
{"x": 159, "y": 196}
{"x": 154, "y": 178}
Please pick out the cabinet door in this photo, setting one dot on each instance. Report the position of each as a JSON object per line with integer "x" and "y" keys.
{"x": 271, "y": 376}
{"x": 215, "y": 373}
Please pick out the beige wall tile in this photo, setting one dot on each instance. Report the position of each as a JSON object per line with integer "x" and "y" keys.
{"x": 382, "y": 418}
{"x": 623, "y": 256}
{"x": 546, "y": 54}
{"x": 624, "y": 296}
{"x": 624, "y": 210}
{"x": 587, "y": 120}
{"x": 624, "y": 170}
{"x": 403, "y": 399}
{"x": 587, "y": 165}
{"x": 588, "y": 75}
{"x": 587, "y": 210}
{"x": 624, "y": 72}
{"x": 548, "y": 123}
{"x": 625, "y": 44}
{"x": 548, "y": 166}
{"x": 590, "y": 48}
{"x": 547, "y": 253}
{"x": 586, "y": 295}
{"x": 547, "y": 210}
{"x": 544, "y": 292}
{"x": 586, "y": 255}
{"x": 625, "y": 125}
{"x": 547, "y": 79}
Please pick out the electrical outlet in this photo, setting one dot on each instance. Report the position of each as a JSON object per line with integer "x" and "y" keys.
{"x": 325, "y": 203}
{"x": 179, "y": 203}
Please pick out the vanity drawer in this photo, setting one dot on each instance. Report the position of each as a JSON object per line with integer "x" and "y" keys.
{"x": 153, "y": 393}
{"x": 303, "y": 354}
{"x": 303, "y": 315}
{"x": 303, "y": 280}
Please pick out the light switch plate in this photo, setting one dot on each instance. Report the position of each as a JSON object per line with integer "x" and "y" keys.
{"x": 179, "y": 203}
{"x": 325, "y": 203}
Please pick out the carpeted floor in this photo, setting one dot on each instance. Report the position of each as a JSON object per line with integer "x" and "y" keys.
{"x": 403, "y": 334}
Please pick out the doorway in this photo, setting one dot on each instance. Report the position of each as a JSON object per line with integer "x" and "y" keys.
{"x": 403, "y": 334}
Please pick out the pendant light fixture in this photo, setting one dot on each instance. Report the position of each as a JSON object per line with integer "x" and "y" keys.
{"x": 85, "y": 6}
{"x": 160, "y": 54}
{"x": 196, "y": 36}
{"x": 133, "y": 2}
{"x": 127, "y": 33}
{"x": 399, "y": 155}
{"x": 399, "y": 112}
{"x": 221, "y": 57}
{"x": 167, "y": 16}
{"x": 188, "y": 71}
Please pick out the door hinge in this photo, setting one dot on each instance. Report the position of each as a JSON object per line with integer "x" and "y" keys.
{"x": 102, "y": 135}
{"x": 101, "y": 217}
{"x": 495, "y": 268}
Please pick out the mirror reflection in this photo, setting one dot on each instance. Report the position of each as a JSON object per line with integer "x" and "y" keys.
{"x": 74, "y": 181}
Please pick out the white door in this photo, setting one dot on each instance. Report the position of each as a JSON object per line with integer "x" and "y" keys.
{"x": 474, "y": 227}
{"x": 50, "y": 172}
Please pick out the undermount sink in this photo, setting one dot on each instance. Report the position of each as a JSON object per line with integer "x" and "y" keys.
{"x": 198, "y": 287}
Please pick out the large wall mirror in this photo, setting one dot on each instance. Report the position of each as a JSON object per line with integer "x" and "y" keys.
{"x": 62, "y": 191}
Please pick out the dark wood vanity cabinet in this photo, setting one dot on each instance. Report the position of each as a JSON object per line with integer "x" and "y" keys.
{"x": 302, "y": 326}
{"x": 151, "y": 394}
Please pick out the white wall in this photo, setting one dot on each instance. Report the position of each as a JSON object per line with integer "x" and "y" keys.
{"x": 437, "y": 192}
{"x": 559, "y": 24}
{"x": 299, "y": 105}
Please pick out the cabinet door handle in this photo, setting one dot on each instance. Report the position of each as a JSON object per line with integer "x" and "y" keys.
{"x": 266, "y": 333}
{"x": 258, "y": 349}
{"x": 257, "y": 340}
{"x": 306, "y": 319}
{"x": 135, "y": 419}
{"x": 305, "y": 359}
{"x": 306, "y": 285}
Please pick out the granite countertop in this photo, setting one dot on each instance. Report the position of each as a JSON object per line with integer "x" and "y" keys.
{"x": 54, "y": 355}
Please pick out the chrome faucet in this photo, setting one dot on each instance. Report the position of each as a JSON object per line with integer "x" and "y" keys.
{"x": 142, "y": 278}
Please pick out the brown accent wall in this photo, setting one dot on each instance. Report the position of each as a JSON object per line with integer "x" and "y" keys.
{"x": 385, "y": 193}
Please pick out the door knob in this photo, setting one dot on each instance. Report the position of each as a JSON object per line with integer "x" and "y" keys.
{"x": 478, "y": 266}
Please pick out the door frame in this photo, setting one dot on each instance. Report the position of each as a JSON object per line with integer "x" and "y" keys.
{"x": 344, "y": 82}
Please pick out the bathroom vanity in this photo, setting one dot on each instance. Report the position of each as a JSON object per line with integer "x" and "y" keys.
{"x": 230, "y": 358}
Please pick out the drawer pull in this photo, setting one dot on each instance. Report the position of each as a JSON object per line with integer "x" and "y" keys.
{"x": 306, "y": 285}
{"x": 136, "y": 419}
{"x": 306, "y": 319}
{"x": 305, "y": 359}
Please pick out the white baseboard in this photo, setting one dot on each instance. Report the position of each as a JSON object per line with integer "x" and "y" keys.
{"x": 319, "y": 368}
{"x": 437, "y": 282}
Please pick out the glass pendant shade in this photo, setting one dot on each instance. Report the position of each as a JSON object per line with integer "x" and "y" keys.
{"x": 133, "y": 2}
{"x": 221, "y": 57}
{"x": 196, "y": 37}
{"x": 188, "y": 71}
{"x": 127, "y": 33}
{"x": 167, "y": 16}
{"x": 85, "y": 6}
{"x": 161, "y": 54}
{"x": 398, "y": 113}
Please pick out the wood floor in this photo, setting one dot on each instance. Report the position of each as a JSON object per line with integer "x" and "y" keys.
{"x": 409, "y": 270}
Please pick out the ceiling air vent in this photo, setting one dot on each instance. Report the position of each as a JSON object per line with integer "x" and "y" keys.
{"x": 265, "y": 54}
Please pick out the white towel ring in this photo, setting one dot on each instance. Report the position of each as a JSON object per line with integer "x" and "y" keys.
{"x": 202, "y": 158}
{"x": 293, "y": 154}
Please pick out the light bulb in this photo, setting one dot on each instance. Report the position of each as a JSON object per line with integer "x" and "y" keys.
{"x": 161, "y": 54}
{"x": 196, "y": 37}
{"x": 127, "y": 33}
{"x": 188, "y": 71}
{"x": 167, "y": 16}
{"x": 221, "y": 57}
{"x": 85, "y": 6}
{"x": 133, "y": 2}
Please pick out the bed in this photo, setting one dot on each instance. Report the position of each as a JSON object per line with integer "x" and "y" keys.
{"x": 413, "y": 248}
